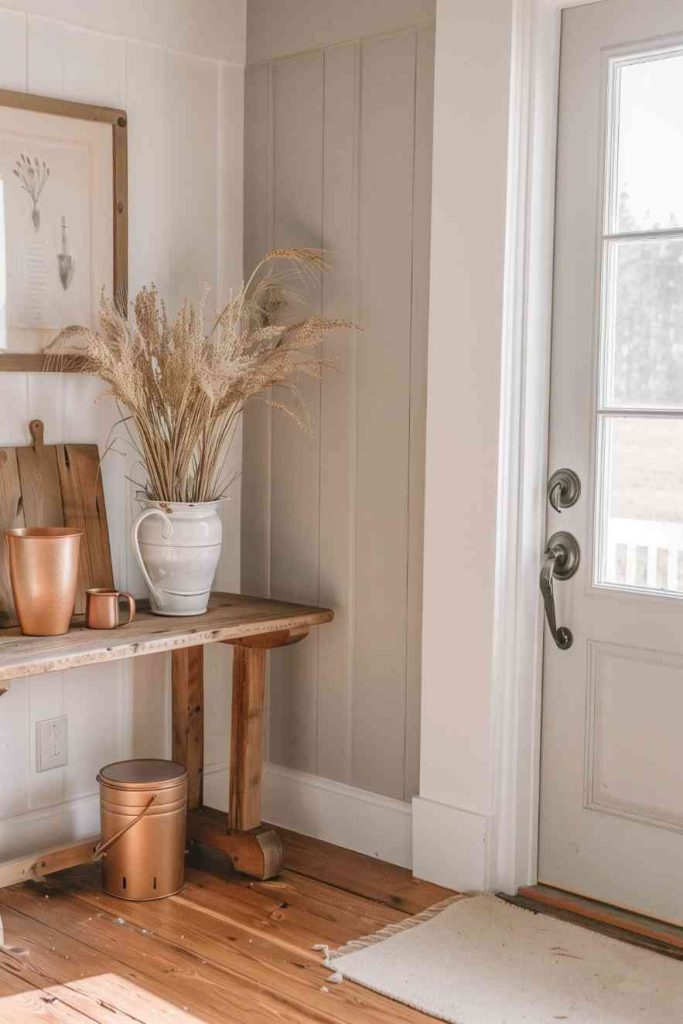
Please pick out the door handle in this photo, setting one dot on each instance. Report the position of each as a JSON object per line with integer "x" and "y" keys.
{"x": 560, "y": 562}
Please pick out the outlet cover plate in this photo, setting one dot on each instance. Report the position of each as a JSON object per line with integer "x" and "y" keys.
{"x": 51, "y": 744}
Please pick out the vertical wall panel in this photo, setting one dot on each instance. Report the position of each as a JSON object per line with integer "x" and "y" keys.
{"x": 45, "y": 700}
{"x": 355, "y": 121}
{"x": 231, "y": 177}
{"x": 46, "y": 56}
{"x": 94, "y": 67}
{"x": 14, "y": 714}
{"x": 257, "y": 420}
{"x": 12, "y": 50}
{"x": 15, "y": 750}
{"x": 45, "y": 400}
{"x": 295, "y": 470}
{"x": 94, "y": 710}
{"x": 230, "y": 257}
{"x": 424, "y": 109}
{"x": 148, "y": 190}
{"x": 383, "y": 411}
{"x": 258, "y": 239}
{"x": 218, "y": 692}
{"x": 338, "y": 412}
{"x": 192, "y": 169}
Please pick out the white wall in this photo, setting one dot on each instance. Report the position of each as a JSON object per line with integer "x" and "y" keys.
{"x": 471, "y": 101}
{"x": 338, "y": 155}
{"x": 176, "y": 66}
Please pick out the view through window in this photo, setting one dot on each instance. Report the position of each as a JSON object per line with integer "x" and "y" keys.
{"x": 640, "y": 409}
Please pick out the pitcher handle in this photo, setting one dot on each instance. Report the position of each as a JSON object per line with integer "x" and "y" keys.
{"x": 167, "y": 533}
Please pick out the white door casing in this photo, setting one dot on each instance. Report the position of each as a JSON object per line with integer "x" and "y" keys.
{"x": 611, "y": 778}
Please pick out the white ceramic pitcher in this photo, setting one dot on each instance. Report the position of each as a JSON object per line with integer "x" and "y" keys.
{"x": 177, "y": 546}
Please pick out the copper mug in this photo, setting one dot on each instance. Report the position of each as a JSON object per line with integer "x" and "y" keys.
{"x": 43, "y": 568}
{"x": 102, "y": 608}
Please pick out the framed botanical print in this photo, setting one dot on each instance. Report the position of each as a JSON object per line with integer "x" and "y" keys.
{"x": 63, "y": 221}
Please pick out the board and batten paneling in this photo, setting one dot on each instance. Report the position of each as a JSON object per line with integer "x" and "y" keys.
{"x": 185, "y": 120}
{"x": 338, "y": 155}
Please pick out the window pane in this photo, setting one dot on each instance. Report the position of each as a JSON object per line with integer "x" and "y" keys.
{"x": 641, "y": 503}
{"x": 650, "y": 145}
{"x": 644, "y": 323}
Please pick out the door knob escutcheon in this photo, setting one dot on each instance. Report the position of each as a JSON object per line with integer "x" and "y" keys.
{"x": 564, "y": 489}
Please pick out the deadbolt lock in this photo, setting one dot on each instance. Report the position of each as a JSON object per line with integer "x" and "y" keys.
{"x": 564, "y": 489}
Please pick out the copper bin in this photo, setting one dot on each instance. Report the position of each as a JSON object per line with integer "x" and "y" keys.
{"x": 143, "y": 808}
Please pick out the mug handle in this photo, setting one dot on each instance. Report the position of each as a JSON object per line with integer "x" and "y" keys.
{"x": 131, "y": 607}
{"x": 167, "y": 533}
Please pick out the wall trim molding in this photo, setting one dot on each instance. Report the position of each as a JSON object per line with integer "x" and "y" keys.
{"x": 53, "y": 825}
{"x": 117, "y": 22}
{"x": 403, "y": 30}
{"x": 450, "y": 845}
{"x": 356, "y": 819}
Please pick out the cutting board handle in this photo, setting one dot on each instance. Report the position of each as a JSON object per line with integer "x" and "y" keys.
{"x": 37, "y": 433}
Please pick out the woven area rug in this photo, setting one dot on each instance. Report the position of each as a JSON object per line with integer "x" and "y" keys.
{"x": 479, "y": 960}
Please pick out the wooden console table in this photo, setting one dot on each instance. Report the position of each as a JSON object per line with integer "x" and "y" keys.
{"x": 252, "y": 626}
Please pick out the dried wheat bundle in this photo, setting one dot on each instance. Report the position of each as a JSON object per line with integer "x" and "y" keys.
{"x": 183, "y": 387}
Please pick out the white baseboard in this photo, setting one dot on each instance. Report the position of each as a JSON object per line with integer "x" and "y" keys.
{"x": 45, "y": 827}
{"x": 449, "y": 845}
{"x": 354, "y": 818}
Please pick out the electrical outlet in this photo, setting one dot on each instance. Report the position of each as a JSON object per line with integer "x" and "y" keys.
{"x": 51, "y": 743}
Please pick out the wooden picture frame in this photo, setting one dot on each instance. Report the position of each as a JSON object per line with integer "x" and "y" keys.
{"x": 117, "y": 119}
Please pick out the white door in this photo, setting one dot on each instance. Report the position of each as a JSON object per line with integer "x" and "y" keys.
{"x": 611, "y": 824}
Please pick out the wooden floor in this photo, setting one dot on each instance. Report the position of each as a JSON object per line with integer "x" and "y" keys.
{"x": 224, "y": 950}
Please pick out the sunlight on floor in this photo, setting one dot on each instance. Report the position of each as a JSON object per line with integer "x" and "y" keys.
{"x": 85, "y": 999}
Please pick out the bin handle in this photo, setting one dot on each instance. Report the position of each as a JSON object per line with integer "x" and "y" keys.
{"x": 101, "y": 848}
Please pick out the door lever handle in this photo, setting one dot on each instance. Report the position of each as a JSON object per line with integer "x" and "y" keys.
{"x": 561, "y": 560}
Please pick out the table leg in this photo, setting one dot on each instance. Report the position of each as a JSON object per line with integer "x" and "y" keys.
{"x": 246, "y": 743}
{"x": 188, "y": 718}
{"x": 253, "y": 849}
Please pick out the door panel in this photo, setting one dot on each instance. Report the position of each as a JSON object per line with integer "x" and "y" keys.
{"x": 611, "y": 824}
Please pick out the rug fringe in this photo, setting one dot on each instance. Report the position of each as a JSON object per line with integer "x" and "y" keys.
{"x": 355, "y": 945}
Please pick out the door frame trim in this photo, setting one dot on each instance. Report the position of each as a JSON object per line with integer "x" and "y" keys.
{"x": 525, "y": 389}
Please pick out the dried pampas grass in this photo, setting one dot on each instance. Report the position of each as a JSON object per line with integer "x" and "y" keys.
{"x": 183, "y": 387}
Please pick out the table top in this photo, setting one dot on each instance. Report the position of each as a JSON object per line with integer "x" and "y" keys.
{"x": 230, "y": 617}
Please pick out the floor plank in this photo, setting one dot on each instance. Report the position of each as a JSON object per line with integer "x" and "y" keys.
{"x": 42, "y": 1007}
{"x": 226, "y": 949}
{"x": 359, "y": 874}
{"x": 74, "y": 975}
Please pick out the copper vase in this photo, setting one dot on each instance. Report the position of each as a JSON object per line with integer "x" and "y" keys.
{"x": 43, "y": 567}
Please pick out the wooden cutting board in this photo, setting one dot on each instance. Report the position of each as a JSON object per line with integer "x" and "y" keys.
{"x": 55, "y": 485}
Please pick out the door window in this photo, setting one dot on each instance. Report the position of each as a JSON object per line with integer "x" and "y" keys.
{"x": 639, "y": 507}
